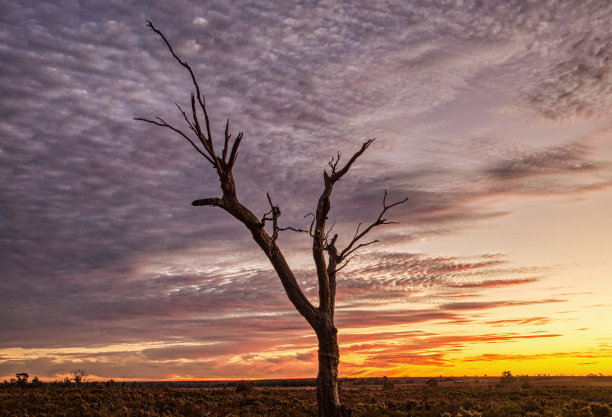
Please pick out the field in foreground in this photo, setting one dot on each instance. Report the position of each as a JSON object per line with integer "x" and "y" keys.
{"x": 469, "y": 400}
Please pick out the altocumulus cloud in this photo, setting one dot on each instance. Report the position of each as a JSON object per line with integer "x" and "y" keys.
{"x": 95, "y": 213}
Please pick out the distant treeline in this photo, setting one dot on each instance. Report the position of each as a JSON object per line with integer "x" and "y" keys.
{"x": 448, "y": 397}
{"x": 387, "y": 382}
{"x": 261, "y": 383}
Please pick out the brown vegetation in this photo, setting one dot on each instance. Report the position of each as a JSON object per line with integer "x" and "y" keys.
{"x": 485, "y": 398}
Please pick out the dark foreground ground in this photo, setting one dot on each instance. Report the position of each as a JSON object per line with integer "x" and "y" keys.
{"x": 454, "y": 399}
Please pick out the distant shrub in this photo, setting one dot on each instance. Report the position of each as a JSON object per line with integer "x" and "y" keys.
{"x": 506, "y": 377}
{"x": 78, "y": 375}
{"x": 244, "y": 386}
{"x": 387, "y": 384}
{"x": 432, "y": 382}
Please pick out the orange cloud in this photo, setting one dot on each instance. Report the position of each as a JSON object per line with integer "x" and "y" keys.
{"x": 495, "y": 283}
{"x": 531, "y": 320}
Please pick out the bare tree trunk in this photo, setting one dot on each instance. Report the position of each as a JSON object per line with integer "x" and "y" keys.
{"x": 327, "y": 378}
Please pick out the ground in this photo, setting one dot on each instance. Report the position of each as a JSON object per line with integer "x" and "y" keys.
{"x": 452, "y": 397}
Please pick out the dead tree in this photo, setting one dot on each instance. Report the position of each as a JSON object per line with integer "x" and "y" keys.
{"x": 328, "y": 258}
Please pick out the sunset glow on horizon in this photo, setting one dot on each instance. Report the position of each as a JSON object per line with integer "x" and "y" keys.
{"x": 493, "y": 119}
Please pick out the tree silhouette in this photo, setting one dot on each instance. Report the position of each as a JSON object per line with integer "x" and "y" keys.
{"x": 22, "y": 378}
{"x": 78, "y": 375}
{"x": 320, "y": 318}
{"x": 506, "y": 377}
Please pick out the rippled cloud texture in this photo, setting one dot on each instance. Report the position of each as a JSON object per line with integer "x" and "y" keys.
{"x": 492, "y": 117}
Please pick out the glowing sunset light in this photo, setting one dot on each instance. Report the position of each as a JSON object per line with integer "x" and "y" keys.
{"x": 493, "y": 119}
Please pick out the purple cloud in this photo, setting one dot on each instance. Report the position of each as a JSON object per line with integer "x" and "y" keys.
{"x": 98, "y": 241}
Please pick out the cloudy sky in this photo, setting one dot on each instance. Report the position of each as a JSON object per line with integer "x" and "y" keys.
{"x": 493, "y": 117}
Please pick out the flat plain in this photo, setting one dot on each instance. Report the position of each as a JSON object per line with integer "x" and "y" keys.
{"x": 446, "y": 397}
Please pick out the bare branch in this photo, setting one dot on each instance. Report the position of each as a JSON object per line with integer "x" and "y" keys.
{"x": 332, "y": 265}
{"x": 226, "y": 143}
{"x": 164, "y": 124}
{"x": 191, "y": 126}
{"x": 345, "y": 263}
{"x": 234, "y": 152}
{"x": 196, "y": 122}
{"x": 325, "y": 271}
{"x": 397, "y": 203}
{"x": 206, "y": 141}
{"x": 311, "y": 223}
{"x": 293, "y": 229}
{"x": 214, "y": 201}
{"x": 200, "y": 96}
{"x": 202, "y": 102}
{"x": 361, "y": 245}
{"x": 333, "y": 164}
{"x": 329, "y": 232}
{"x": 336, "y": 175}
{"x": 229, "y": 201}
{"x": 275, "y": 213}
{"x": 379, "y": 221}
{"x": 357, "y": 231}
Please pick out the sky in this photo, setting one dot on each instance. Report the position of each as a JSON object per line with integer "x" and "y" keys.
{"x": 492, "y": 117}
